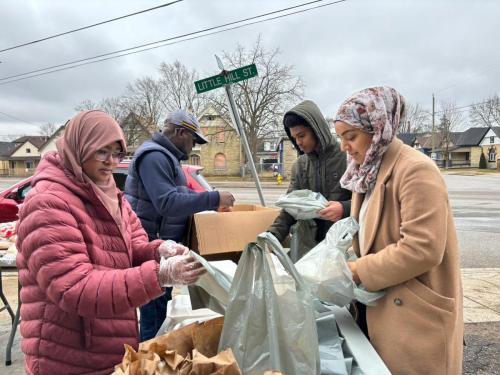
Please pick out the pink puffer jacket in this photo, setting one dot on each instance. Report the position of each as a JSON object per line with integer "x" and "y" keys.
{"x": 81, "y": 278}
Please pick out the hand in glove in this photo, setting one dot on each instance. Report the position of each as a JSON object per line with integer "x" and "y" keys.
{"x": 170, "y": 248}
{"x": 179, "y": 270}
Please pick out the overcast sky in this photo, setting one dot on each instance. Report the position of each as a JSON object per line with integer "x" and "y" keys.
{"x": 449, "y": 47}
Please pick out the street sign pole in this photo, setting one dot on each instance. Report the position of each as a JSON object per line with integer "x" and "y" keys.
{"x": 226, "y": 79}
{"x": 243, "y": 137}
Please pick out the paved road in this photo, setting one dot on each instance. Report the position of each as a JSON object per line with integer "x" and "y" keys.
{"x": 475, "y": 202}
{"x": 474, "y": 199}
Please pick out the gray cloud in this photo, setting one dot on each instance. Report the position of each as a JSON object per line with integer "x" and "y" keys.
{"x": 446, "y": 47}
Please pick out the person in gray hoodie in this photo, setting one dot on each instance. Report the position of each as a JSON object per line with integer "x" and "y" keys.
{"x": 319, "y": 168}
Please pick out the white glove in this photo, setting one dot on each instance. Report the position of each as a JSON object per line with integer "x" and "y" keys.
{"x": 170, "y": 248}
{"x": 179, "y": 270}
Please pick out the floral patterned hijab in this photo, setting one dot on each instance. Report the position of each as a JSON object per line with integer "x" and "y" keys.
{"x": 378, "y": 111}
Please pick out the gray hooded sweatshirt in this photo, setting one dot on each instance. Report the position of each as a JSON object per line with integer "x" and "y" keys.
{"x": 319, "y": 171}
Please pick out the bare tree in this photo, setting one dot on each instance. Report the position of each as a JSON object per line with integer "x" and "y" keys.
{"x": 417, "y": 119}
{"x": 86, "y": 105}
{"x": 48, "y": 129}
{"x": 451, "y": 120}
{"x": 177, "y": 82}
{"x": 486, "y": 113}
{"x": 261, "y": 101}
{"x": 117, "y": 107}
{"x": 144, "y": 98}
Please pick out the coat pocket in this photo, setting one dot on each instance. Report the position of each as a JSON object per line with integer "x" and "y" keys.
{"x": 87, "y": 332}
{"x": 431, "y": 297}
{"x": 407, "y": 328}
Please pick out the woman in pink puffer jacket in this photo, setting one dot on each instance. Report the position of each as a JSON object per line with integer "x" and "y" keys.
{"x": 84, "y": 260}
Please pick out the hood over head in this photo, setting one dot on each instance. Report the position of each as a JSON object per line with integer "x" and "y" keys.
{"x": 312, "y": 116}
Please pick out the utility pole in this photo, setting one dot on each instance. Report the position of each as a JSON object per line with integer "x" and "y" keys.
{"x": 433, "y": 152}
{"x": 446, "y": 126}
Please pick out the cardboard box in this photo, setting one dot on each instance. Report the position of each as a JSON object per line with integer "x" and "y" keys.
{"x": 229, "y": 232}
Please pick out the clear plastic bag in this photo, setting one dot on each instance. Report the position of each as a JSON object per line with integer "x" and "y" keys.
{"x": 325, "y": 268}
{"x": 302, "y": 204}
{"x": 269, "y": 322}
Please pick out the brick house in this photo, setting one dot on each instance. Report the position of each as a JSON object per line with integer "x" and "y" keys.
{"x": 490, "y": 146}
{"x": 464, "y": 148}
{"x": 223, "y": 154}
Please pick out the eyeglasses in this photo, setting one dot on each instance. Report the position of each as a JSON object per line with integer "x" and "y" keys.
{"x": 103, "y": 155}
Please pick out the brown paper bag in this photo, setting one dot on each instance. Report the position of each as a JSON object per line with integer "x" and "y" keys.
{"x": 187, "y": 351}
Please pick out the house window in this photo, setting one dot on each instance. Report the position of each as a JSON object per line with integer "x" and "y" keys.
{"x": 28, "y": 164}
{"x": 195, "y": 159}
{"x": 28, "y": 150}
{"x": 492, "y": 139}
{"x": 267, "y": 146}
{"x": 221, "y": 135}
{"x": 492, "y": 155}
{"x": 12, "y": 164}
{"x": 210, "y": 118}
{"x": 220, "y": 161}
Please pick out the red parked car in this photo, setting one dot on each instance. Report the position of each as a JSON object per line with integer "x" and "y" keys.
{"x": 13, "y": 197}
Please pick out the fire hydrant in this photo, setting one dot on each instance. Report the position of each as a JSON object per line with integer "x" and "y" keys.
{"x": 279, "y": 179}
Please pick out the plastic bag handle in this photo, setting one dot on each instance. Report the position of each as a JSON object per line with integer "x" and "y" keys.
{"x": 286, "y": 262}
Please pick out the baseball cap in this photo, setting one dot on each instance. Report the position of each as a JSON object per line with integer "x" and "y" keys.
{"x": 183, "y": 118}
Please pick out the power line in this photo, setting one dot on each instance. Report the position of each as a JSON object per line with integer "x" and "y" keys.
{"x": 89, "y": 26}
{"x": 456, "y": 109}
{"x": 164, "y": 42}
{"x": 18, "y": 119}
{"x": 174, "y": 38}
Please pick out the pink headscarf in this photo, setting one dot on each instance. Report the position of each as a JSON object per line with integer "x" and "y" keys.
{"x": 86, "y": 133}
{"x": 378, "y": 111}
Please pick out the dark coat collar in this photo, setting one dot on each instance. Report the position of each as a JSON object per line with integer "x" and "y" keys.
{"x": 167, "y": 143}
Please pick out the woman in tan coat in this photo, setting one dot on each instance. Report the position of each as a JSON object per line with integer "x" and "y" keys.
{"x": 407, "y": 243}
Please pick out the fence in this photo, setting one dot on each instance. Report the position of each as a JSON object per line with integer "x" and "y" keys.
{"x": 453, "y": 163}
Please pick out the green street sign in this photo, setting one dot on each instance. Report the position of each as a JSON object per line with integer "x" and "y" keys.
{"x": 214, "y": 82}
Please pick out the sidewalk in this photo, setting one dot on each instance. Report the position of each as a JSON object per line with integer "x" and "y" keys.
{"x": 481, "y": 305}
{"x": 481, "y": 294}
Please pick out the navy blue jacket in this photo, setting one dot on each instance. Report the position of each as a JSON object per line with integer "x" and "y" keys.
{"x": 157, "y": 191}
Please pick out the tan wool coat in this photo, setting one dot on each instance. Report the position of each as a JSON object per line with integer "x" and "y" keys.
{"x": 410, "y": 250}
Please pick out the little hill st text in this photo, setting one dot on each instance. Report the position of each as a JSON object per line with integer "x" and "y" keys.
{"x": 220, "y": 80}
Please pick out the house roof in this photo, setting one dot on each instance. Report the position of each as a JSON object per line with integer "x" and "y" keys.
{"x": 425, "y": 140}
{"x": 472, "y": 136}
{"x": 496, "y": 129}
{"x": 6, "y": 148}
{"x": 407, "y": 138}
{"x": 35, "y": 140}
{"x": 455, "y": 137}
{"x": 54, "y": 135}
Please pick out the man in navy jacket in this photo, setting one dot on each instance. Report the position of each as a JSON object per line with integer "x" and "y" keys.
{"x": 157, "y": 190}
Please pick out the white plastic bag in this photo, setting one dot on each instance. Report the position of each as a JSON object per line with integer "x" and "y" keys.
{"x": 180, "y": 314}
{"x": 326, "y": 271}
{"x": 302, "y": 204}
